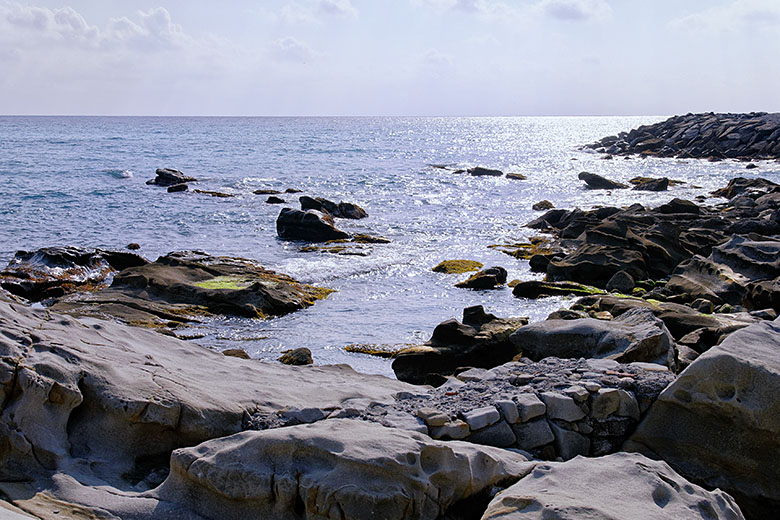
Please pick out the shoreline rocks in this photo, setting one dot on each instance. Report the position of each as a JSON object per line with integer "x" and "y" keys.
{"x": 309, "y": 226}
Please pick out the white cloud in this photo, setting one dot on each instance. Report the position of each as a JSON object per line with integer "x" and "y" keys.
{"x": 337, "y": 8}
{"x": 496, "y": 10}
{"x": 313, "y": 11}
{"x": 436, "y": 58}
{"x": 292, "y": 50}
{"x": 739, "y": 15}
{"x": 576, "y": 10}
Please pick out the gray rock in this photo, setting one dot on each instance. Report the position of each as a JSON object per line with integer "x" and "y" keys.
{"x": 499, "y": 435}
{"x": 454, "y": 430}
{"x": 508, "y": 409}
{"x": 628, "y": 405}
{"x": 561, "y": 407}
{"x": 481, "y": 417}
{"x": 530, "y": 406}
{"x": 622, "y": 485}
{"x": 533, "y": 434}
{"x": 432, "y": 417}
{"x": 569, "y": 444}
{"x": 169, "y": 177}
{"x": 605, "y": 403}
{"x": 621, "y": 282}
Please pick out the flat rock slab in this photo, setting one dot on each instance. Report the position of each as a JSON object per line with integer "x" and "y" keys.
{"x": 616, "y": 486}
{"x": 334, "y": 469}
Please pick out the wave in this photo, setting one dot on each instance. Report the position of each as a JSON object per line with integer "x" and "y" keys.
{"x": 120, "y": 174}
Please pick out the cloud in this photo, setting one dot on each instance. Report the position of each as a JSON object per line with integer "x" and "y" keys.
{"x": 496, "y": 10}
{"x": 739, "y": 15}
{"x": 337, "y": 8}
{"x": 291, "y": 50}
{"x": 436, "y": 58}
{"x": 575, "y": 10}
{"x": 313, "y": 11}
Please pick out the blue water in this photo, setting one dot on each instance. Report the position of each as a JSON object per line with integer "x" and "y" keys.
{"x": 81, "y": 181}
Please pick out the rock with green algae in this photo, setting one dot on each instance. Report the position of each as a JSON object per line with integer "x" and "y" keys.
{"x": 457, "y": 266}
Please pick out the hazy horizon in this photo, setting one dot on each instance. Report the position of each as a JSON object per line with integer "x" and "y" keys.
{"x": 336, "y": 58}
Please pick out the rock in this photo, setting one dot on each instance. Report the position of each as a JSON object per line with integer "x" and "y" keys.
{"x": 623, "y": 485}
{"x": 217, "y": 194}
{"x": 499, "y": 435}
{"x": 508, "y": 409}
{"x": 636, "y": 335}
{"x": 533, "y": 434}
{"x": 177, "y": 188}
{"x": 178, "y": 286}
{"x": 530, "y": 406}
{"x": 719, "y": 422}
{"x": 454, "y": 430}
{"x": 348, "y": 468}
{"x": 679, "y": 206}
{"x": 516, "y": 176}
{"x": 310, "y": 225}
{"x": 292, "y": 190}
{"x": 170, "y": 177}
{"x": 482, "y": 341}
{"x": 542, "y": 205}
{"x": 741, "y": 185}
{"x": 236, "y": 352}
{"x": 267, "y": 192}
{"x": 597, "y": 182}
{"x": 621, "y": 282}
{"x": 481, "y": 417}
{"x": 89, "y": 382}
{"x": 298, "y": 356}
{"x": 751, "y": 166}
{"x": 52, "y": 272}
{"x": 702, "y": 305}
{"x": 568, "y": 443}
{"x": 479, "y": 171}
{"x": 647, "y": 184}
{"x": 274, "y": 200}
{"x": 561, "y": 407}
{"x": 763, "y": 294}
{"x": 457, "y": 266}
{"x": 133, "y": 246}
{"x": 538, "y": 289}
{"x": 340, "y": 210}
{"x": 488, "y": 278}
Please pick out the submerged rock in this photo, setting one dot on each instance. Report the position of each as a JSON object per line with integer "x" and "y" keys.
{"x": 309, "y": 225}
{"x": 623, "y": 485}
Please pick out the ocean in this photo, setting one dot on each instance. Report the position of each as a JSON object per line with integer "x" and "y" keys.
{"x": 81, "y": 181}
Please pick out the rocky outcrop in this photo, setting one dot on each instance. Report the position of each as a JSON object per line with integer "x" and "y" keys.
{"x": 309, "y": 225}
{"x": 180, "y": 286}
{"x": 480, "y": 171}
{"x": 340, "y": 210}
{"x": 457, "y": 266}
{"x": 647, "y": 184}
{"x": 718, "y": 424}
{"x": 170, "y": 177}
{"x": 636, "y": 335}
{"x": 335, "y": 469}
{"x": 755, "y": 135}
{"x": 482, "y": 340}
{"x": 489, "y": 278}
{"x": 597, "y": 182}
{"x": 537, "y": 289}
{"x": 52, "y": 272}
{"x": 623, "y": 485}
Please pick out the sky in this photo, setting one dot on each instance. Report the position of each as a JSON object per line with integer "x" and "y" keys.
{"x": 389, "y": 57}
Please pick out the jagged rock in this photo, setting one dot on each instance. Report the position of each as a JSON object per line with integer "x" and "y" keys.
{"x": 719, "y": 422}
{"x": 180, "y": 285}
{"x": 636, "y": 335}
{"x": 597, "y": 182}
{"x": 340, "y": 210}
{"x": 309, "y": 225}
{"x": 351, "y": 469}
{"x": 170, "y": 177}
{"x": 488, "y": 278}
{"x": 741, "y": 185}
{"x": 52, "y": 272}
{"x": 480, "y": 341}
{"x": 623, "y": 485}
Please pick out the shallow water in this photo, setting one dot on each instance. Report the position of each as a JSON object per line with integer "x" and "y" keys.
{"x": 81, "y": 181}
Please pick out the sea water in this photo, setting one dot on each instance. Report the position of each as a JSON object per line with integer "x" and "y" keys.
{"x": 81, "y": 181}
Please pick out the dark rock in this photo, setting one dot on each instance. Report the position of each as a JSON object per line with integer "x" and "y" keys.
{"x": 340, "y": 210}
{"x": 133, "y": 246}
{"x": 516, "y": 176}
{"x": 542, "y": 205}
{"x": 751, "y": 166}
{"x": 298, "y": 356}
{"x": 597, "y": 182}
{"x": 236, "y": 352}
{"x": 52, "y": 272}
{"x": 292, "y": 190}
{"x": 274, "y": 200}
{"x": 310, "y": 225}
{"x": 177, "y": 187}
{"x": 679, "y": 206}
{"x": 217, "y": 194}
{"x": 621, "y": 282}
{"x": 267, "y": 192}
{"x": 661, "y": 184}
{"x": 488, "y": 278}
{"x": 537, "y": 289}
{"x": 479, "y": 171}
{"x": 740, "y": 185}
{"x": 170, "y": 177}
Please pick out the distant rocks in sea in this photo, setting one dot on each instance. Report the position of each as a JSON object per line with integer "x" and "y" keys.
{"x": 597, "y": 182}
{"x": 338, "y": 210}
{"x": 169, "y": 177}
{"x": 310, "y": 225}
{"x": 715, "y": 136}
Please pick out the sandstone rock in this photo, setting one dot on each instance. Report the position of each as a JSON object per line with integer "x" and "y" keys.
{"x": 516, "y": 176}
{"x": 622, "y": 485}
{"x": 719, "y": 421}
{"x": 177, "y": 188}
{"x": 481, "y": 417}
{"x": 350, "y": 469}
{"x": 310, "y": 225}
{"x": 499, "y": 435}
{"x": 267, "y": 192}
{"x": 597, "y": 182}
{"x": 236, "y": 352}
{"x": 170, "y": 177}
{"x": 538, "y": 289}
{"x": 635, "y": 335}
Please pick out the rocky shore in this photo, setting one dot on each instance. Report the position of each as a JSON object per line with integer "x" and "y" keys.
{"x": 653, "y": 396}
{"x": 711, "y": 136}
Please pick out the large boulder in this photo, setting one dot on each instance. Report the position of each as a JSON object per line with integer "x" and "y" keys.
{"x": 718, "y": 424}
{"x": 482, "y": 340}
{"x": 623, "y": 485}
{"x": 52, "y": 272}
{"x": 597, "y": 182}
{"x": 310, "y": 225}
{"x": 338, "y": 210}
{"x": 183, "y": 284}
{"x": 170, "y": 177}
{"x": 336, "y": 469}
{"x": 636, "y": 335}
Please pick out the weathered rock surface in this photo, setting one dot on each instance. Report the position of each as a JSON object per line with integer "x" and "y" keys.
{"x": 337, "y": 210}
{"x": 482, "y": 340}
{"x": 597, "y": 182}
{"x": 170, "y": 177}
{"x": 538, "y": 289}
{"x": 52, "y": 272}
{"x": 755, "y": 135}
{"x": 623, "y": 485}
{"x": 178, "y": 286}
{"x": 636, "y": 335}
{"x": 489, "y": 278}
{"x": 335, "y": 469}
{"x": 718, "y": 424}
{"x": 309, "y": 225}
